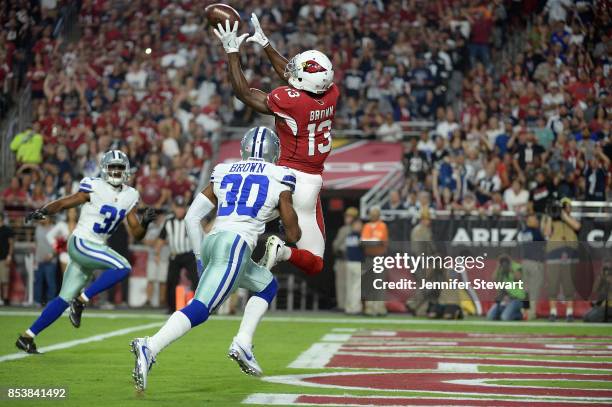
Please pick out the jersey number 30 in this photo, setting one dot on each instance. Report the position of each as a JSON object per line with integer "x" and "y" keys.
{"x": 111, "y": 219}
{"x": 239, "y": 192}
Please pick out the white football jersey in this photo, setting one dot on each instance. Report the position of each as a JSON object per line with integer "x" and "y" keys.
{"x": 247, "y": 194}
{"x": 107, "y": 207}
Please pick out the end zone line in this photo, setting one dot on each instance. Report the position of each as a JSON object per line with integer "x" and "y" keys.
{"x": 342, "y": 320}
{"x": 76, "y": 342}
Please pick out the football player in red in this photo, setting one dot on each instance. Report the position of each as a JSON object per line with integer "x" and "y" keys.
{"x": 304, "y": 112}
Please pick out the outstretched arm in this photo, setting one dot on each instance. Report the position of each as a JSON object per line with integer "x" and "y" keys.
{"x": 139, "y": 227}
{"x": 278, "y": 61}
{"x": 293, "y": 233}
{"x": 253, "y": 98}
{"x": 59, "y": 205}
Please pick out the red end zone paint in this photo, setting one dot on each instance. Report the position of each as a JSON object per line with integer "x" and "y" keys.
{"x": 446, "y": 382}
{"x": 407, "y": 401}
{"x": 374, "y": 362}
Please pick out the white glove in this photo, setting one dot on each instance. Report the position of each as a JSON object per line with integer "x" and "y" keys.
{"x": 259, "y": 36}
{"x": 231, "y": 42}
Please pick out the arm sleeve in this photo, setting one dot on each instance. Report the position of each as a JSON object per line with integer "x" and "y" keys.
{"x": 199, "y": 208}
{"x": 86, "y": 185}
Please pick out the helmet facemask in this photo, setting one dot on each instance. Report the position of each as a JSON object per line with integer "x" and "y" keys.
{"x": 116, "y": 174}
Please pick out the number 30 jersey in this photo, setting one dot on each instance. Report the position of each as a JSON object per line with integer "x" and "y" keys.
{"x": 303, "y": 123}
{"x": 106, "y": 209}
{"x": 248, "y": 193}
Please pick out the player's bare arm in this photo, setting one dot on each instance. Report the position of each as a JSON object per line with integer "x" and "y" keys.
{"x": 202, "y": 205}
{"x": 138, "y": 227}
{"x": 53, "y": 207}
{"x": 278, "y": 61}
{"x": 293, "y": 233}
{"x": 254, "y": 98}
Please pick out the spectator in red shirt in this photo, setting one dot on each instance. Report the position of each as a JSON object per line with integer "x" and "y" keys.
{"x": 14, "y": 194}
{"x": 153, "y": 189}
{"x": 181, "y": 184}
{"x": 480, "y": 38}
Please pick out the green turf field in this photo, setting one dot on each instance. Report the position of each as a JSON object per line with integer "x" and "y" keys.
{"x": 196, "y": 371}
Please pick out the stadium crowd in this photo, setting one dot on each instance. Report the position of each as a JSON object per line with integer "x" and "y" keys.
{"x": 149, "y": 78}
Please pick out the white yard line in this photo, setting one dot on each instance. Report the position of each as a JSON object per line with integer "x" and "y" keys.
{"x": 317, "y": 319}
{"x": 77, "y": 342}
{"x": 268, "y": 399}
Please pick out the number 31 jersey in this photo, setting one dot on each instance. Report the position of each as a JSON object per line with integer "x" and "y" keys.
{"x": 303, "y": 123}
{"x": 106, "y": 209}
{"x": 248, "y": 193}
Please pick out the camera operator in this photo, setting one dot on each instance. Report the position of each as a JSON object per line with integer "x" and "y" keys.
{"x": 509, "y": 302}
{"x": 561, "y": 229}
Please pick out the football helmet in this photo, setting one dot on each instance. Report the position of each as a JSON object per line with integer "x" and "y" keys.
{"x": 311, "y": 71}
{"x": 115, "y": 167}
{"x": 260, "y": 143}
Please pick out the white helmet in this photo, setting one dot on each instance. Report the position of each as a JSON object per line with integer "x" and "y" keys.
{"x": 311, "y": 71}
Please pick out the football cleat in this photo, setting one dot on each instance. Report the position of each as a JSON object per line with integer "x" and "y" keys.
{"x": 144, "y": 360}
{"x": 76, "y": 310}
{"x": 274, "y": 245}
{"x": 245, "y": 358}
{"x": 26, "y": 344}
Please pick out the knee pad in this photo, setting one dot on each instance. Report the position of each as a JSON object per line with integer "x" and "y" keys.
{"x": 269, "y": 292}
{"x": 197, "y": 312}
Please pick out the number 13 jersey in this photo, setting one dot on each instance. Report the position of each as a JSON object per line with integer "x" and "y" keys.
{"x": 247, "y": 196}
{"x": 107, "y": 207}
{"x": 303, "y": 123}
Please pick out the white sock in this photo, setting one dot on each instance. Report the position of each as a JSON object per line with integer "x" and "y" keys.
{"x": 255, "y": 309}
{"x": 284, "y": 253}
{"x": 553, "y": 310}
{"x": 176, "y": 326}
{"x": 84, "y": 299}
{"x": 569, "y": 311}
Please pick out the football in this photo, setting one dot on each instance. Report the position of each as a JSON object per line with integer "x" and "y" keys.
{"x": 218, "y": 13}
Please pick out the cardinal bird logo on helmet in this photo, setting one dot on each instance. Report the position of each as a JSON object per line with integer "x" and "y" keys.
{"x": 311, "y": 66}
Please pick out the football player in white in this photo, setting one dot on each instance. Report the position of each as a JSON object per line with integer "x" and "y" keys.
{"x": 106, "y": 202}
{"x": 246, "y": 195}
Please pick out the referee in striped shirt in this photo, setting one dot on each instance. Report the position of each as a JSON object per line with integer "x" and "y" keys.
{"x": 174, "y": 233}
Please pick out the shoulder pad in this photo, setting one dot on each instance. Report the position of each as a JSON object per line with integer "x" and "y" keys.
{"x": 87, "y": 184}
{"x": 285, "y": 176}
{"x": 283, "y": 97}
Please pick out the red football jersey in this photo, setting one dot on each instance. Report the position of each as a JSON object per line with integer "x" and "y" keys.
{"x": 303, "y": 124}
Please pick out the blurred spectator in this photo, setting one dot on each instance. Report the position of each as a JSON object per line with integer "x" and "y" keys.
{"x": 516, "y": 197}
{"x": 45, "y": 275}
{"x": 532, "y": 251}
{"x": 27, "y": 145}
{"x": 354, "y": 262}
{"x": 509, "y": 302}
{"x": 389, "y": 130}
{"x": 15, "y": 194}
{"x": 560, "y": 230}
{"x": 340, "y": 249}
{"x": 375, "y": 241}
{"x": 153, "y": 189}
{"x": 60, "y": 232}
{"x": 7, "y": 246}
